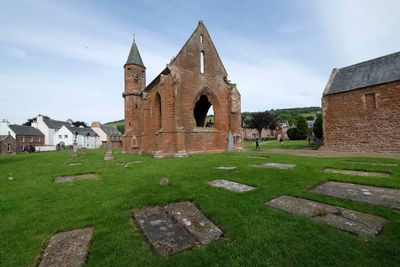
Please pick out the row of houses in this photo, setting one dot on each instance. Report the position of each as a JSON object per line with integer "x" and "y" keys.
{"x": 46, "y": 134}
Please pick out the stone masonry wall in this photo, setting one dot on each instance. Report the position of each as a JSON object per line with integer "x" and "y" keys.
{"x": 363, "y": 120}
{"x": 161, "y": 117}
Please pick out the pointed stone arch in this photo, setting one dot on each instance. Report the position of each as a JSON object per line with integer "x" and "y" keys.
{"x": 203, "y": 101}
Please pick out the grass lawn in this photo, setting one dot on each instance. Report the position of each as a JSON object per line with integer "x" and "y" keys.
{"x": 274, "y": 144}
{"x": 33, "y": 208}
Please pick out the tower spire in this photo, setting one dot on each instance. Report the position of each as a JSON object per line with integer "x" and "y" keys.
{"x": 134, "y": 57}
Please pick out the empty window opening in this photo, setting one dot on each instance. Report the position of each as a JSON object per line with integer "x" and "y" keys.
{"x": 201, "y": 38}
{"x": 9, "y": 147}
{"x": 202, "y": 62}
{"x": 370, "y": 101}
{"x": 157, "y": 112}
{"x": 204, "y": 112}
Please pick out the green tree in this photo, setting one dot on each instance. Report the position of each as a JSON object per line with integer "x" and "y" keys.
{"x": 261, "y": 120}
{"x": 302, "y": 128}
{"x": 121, "y": 128}
{"x": 317, "y": 128}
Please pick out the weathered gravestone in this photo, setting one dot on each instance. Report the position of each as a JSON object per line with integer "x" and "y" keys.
{"x": 361, "y": 224}
{"x": 67, "y": 249}
{"x": 176, "y": 227}
{"x": 74, "y": 151}
{"x": 231, "y": 144}
{"x": 358, "y": 173}
{"x": 231, "y": 186}
{"x": 109, "y": 154}
{"x": 387, "y": 197}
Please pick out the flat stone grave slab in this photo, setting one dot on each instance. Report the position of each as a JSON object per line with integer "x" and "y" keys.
{"x": 231, "y": 186}
{"x": 258, "y": 156}
{"x": 387, "y": 197}
{"x": 273, "y": 165}
{"x": 358, "y": 173}
{"x": 362, "y": 224}
{"x": 194, "y": 221}
{"x": 70, "y": 178}
{"x": 67, "y": 249}
{"x": 371, "y": 163}
{"x": 176, "y": 227}
{"x": 75, "y": 164}
{"x": 226, "y": 168}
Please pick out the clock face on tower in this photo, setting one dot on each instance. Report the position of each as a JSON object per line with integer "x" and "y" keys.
{"x": 136, "y": 76}
{"x": 130, "y": 72}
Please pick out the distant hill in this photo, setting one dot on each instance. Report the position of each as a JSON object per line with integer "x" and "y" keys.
{"x": 119, "y": 124}
{"x": 290, "y": 114}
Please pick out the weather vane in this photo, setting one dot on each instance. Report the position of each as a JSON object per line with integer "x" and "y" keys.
{"x": 134, "y": 36}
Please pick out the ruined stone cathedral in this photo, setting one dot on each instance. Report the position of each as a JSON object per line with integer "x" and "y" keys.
{"x": 168, "y": 117}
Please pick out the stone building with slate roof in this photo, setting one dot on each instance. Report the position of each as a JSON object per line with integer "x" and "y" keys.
{"x": 361, "y": 107}
{"x": 106, "y": 133}
{"x": 7, "y": 144}
{"x": 168, "y": 116}
{"x": 27, "y": 137}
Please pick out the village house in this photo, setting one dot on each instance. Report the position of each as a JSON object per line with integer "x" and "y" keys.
{"x": 48, "y": 127}
{"x": 84, "y": 137}
{"x": 8, "y": 144}
{"x": 107, "y": 133}
{"x": 361, "y": 107}
{"x": 168, "y": 116}
{"x": 26, "y": 137}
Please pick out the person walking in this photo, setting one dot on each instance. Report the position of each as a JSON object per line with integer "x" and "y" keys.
{"x": 257, "y": 144}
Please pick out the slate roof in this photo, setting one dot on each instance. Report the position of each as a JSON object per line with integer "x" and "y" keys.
{"x": 134, "y": 56}
{"x": 24, "y": 130}
{"x": 81, "y": 131}
{"x": 53, "y": 124}
{"x": 110, "y": 130}
{"x": 372, "y": 72}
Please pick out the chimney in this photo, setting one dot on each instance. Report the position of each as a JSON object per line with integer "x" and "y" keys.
{"x": 96, "y": 124}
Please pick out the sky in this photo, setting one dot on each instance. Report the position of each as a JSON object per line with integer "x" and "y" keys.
{"x": 64, "y": 59}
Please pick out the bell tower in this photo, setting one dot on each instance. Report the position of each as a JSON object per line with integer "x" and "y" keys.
{"x": 135, "y": 82}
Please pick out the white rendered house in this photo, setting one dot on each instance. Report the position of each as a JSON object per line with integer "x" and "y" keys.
{"x": 5, "y": 129}
{"x": 85, "y": 137}
{"x": 48, "y": 127}
{"x": 107, "y": 133}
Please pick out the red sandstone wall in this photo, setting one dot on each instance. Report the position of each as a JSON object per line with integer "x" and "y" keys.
{"x": 351, "y": 123}
{"x": 178, "y": 91}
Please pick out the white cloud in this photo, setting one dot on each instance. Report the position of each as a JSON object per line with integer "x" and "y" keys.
{"x": 360, "y": 29}
{"x": 276, "y": 84}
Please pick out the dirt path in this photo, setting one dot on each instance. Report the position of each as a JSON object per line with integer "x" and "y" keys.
{"x": 318, "y": 153}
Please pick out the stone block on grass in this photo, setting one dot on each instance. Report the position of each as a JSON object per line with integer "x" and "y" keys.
{"x": 387, "y": 197}
{"x": 362, "y": 224}
{"x": 67, "y": 249}
{"x": 176, "y": 227}
{"x": 231, "y": 186}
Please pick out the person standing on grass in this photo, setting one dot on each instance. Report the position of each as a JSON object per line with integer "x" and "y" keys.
{"x": 257, "y": 144}
{"x": 280, "y": 139}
